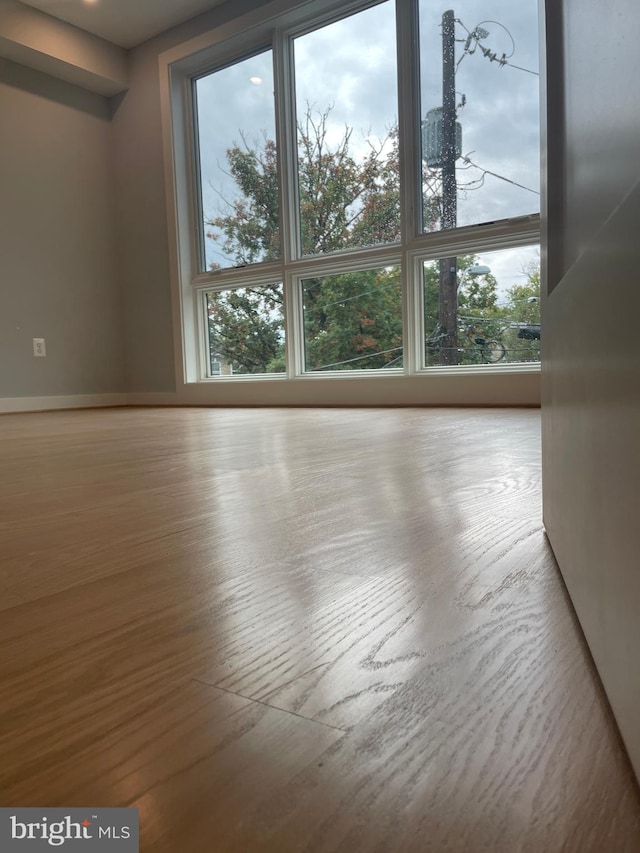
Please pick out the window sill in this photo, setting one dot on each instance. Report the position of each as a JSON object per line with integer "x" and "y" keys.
{"x": 516, "y": 369}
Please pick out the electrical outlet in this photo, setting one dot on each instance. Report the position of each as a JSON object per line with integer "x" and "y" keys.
{"x": 39, "y": 348}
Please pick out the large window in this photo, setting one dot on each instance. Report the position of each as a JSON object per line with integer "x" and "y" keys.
{"x": 365, "y": 192}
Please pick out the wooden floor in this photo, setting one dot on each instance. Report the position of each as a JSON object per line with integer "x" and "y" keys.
{"x": 287, "y": 631}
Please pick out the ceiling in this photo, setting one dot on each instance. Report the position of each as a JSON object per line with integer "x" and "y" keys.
{"x": 123, "y": 22}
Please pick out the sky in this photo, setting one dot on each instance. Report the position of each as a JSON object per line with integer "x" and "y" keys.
{"x": 350, "y": 67}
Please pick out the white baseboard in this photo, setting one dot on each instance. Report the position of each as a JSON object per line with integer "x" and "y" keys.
{"x": 69, "y": 401}
{"x": 153, "y": 398}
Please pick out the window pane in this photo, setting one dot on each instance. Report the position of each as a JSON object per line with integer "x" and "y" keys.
{"x": 346, "y": 101}
{"x": 497, "y": 315}
{"x": 246, "y": 330}
{"x": 480, "y": 111}
{"x": 353, "y": 321}
{"x": 238, "y": 163}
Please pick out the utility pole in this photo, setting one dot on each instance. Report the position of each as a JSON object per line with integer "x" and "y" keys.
{"x": 449, "y": 266}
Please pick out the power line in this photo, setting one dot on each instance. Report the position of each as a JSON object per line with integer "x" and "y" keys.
{"x": 492, "y": 56}
{"x": 502, "y": 61}
{"x": 520, "y": 68}
{"x": 358, "y": 358}
{"x": 357, "y": 296}
{"x": 507, "y": 31}
{"x": 393, "y": 360}
{"x": 501, "y": 177}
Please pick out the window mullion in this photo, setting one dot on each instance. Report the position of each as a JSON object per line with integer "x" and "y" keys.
{"x": 288, "y": 195}
{"x": 202, "y": 323}
{"x": 410, "y": 171}
{"x": 287, "y": 145}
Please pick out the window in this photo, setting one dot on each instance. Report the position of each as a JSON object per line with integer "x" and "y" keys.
{"x": 353, "y": 321}
{"x": 346, "y": 117}
{"x": 496, "y": 308}
{"x": 238, "y": 164}
{"x": 480, "y": 116}
{"x": 246, "y": 330}
{"x": 364, "y": 192}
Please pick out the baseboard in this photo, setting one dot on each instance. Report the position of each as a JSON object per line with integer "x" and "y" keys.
{"x": 67, "y": 401}
{"x": 153, "y": 398}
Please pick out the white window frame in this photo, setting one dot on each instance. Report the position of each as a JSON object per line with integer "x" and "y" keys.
{"x": 273, "y": 27}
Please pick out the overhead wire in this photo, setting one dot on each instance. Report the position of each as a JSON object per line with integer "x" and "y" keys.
{"x": 358, "y": 358}
{"x": 501, "y": 177}
{"x": 507, "y": 31}
{"x": 487, "y": 52}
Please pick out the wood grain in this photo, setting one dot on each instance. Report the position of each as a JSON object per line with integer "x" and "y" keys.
{"x": 287, "y": 631}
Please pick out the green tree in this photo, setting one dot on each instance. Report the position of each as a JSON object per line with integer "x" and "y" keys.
{"x": 479, "y": 316}
{"x": 353, "y": 320}
{"x": 246, "y": 329}
{"x": 345, "y": 201}
{"x": 522, "y": 309}
{"x": 249, "y": 231}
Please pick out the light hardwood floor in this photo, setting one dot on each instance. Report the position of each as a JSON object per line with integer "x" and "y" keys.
{"x": 299, "y": 630}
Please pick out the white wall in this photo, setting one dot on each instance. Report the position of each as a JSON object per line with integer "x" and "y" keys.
{"x": 58, "y": 263}
{"x": 591, "y": 343}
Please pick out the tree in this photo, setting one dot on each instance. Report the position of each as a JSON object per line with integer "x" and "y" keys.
{"x": 522, "y": 309}
{"x": 246, "y": 329}
{"x": 478, "y": 312}
{"x": 353, "y": 320}
{"x": 249, "y": 231}
{"x": 344, "y": 201}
